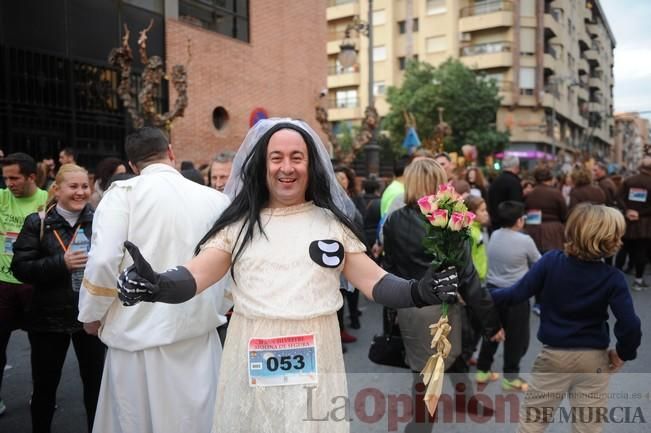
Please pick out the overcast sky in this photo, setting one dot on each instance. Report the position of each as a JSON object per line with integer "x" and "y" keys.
{"x": 630, "y": 21}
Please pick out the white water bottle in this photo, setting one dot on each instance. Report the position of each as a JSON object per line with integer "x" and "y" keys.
{"x": 80, "y": 243}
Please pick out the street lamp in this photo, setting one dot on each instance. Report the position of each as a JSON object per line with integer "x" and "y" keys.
{"x": 347, "y": 58}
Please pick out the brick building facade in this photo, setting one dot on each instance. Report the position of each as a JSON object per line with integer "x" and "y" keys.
{"x": 281, "y": 69}
{"x": 58, "y": 89}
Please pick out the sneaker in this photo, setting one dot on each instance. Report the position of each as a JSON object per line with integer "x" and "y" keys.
{"x": 516, "y": 384}
{"x": 3, "y": 408}
{"x": 347, "y": 338}
{"x": 639, "y": 285}
{"x": 536, "y": 309}
{"x": 486, "y": 376}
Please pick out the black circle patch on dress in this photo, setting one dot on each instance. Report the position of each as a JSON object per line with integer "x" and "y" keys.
{"x": 328, "y": 253}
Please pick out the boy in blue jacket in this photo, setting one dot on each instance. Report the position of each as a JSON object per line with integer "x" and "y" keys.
{"x": 576, "y": 288}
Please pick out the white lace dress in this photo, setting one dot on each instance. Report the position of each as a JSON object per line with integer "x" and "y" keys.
{"x": 280, "y": 291}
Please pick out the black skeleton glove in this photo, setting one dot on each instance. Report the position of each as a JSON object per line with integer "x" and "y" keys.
{"x": 433, "y": 289}
{"x": 436, "y": 287}
{"x": 140, "y": 283}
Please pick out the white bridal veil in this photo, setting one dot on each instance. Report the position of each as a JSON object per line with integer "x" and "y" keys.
{"x": 234, "y": 185}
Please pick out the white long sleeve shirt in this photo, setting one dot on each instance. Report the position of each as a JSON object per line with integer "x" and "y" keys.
{"x": 165, "y": 215}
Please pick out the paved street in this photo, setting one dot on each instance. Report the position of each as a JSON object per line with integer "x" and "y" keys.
{"x": 383, "y": 387}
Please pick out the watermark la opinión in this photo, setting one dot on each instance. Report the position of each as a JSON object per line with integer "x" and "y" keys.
{"x": 372, "y": 406}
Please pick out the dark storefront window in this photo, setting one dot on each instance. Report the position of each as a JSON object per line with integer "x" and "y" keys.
{"x": 57, "y": 88}
{"x": 156, "y": 6}
{"x": 55, "y": 102}
{"x": 228, "y": 17}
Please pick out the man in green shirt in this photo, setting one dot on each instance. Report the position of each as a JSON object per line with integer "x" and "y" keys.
{"x": 396, "y": 188}
{"x": 21, "y": 198}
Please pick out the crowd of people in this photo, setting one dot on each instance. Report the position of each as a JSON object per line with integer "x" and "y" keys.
{"x": 519, "y": 223}
{"x": 140, "y": 263}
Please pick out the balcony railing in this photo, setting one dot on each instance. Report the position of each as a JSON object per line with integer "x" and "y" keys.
{"x": 551, "y": 51}
{"x": 340, "y": 2}
{"x": 583, "y": 65}
{"x": 486, "y": 8}
{"x": 552, "y": 88}
{"x": 591, "y": 56}
{"x": 504, "y": 86}
{"x": 487, "y": 48}
{"x": 344, "y": 102}
{"x": 336, "y": 35}
{"x": 596, "y": 46}
{"x": 554, "y": 12}
{"x": 339, "y": 70}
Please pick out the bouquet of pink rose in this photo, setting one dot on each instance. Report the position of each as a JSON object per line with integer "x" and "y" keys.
{"x": 448, "y": 222}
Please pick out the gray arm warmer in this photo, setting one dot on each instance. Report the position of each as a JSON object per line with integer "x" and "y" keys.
{"x": 394, "y": 292}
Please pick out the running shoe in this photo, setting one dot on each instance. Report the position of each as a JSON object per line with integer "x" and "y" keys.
{"x": 639, "y": 285}
{"x": 486, "y": 376}
{"x": 516, "y": 384}
{"x": 347, "y": 338}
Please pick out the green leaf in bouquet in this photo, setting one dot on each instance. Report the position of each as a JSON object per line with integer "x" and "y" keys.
{"x": 437, "y": 263}
{"x": 460, "y": 207}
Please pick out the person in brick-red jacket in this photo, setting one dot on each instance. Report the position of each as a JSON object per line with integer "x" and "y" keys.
{"x": 600, "y": 175}
{"x": 634, "y": 199}
{"x": 584, "y": 190}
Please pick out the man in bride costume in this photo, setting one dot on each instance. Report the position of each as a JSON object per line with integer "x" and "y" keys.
{"x": 160, "y": 370}
{"x": 286, "y": 239}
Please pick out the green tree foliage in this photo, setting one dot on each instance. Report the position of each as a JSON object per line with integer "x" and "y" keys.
{"x": 470, "y": 102}
{"x": 346, "y": 135}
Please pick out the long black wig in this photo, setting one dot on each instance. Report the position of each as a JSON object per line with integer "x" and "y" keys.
{"x": 254, "y": 195}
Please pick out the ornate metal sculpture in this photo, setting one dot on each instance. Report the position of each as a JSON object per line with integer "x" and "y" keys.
{"x": 122, "y": 57}
{"x": 364, "y": 136}
{"x": 152, "y": 78}
{"x": 441, "y": 131}
{"x": 326, "y": 127}
{"x": 347, "y": 156}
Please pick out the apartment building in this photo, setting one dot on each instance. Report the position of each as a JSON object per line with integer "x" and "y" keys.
{"x": 552, "y": 61}
{"x": 631, "y": 140}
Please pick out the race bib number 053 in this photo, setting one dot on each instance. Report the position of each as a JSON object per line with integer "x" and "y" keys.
{"x": 281, "y": 361}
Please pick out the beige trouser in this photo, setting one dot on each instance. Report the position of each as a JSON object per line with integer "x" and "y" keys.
{"x": 579, "y": 375}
